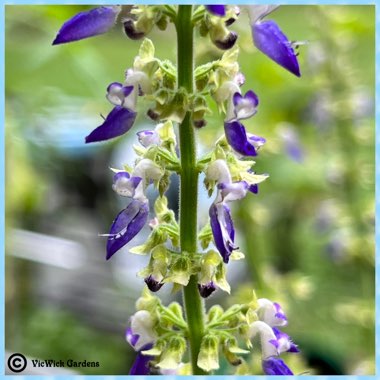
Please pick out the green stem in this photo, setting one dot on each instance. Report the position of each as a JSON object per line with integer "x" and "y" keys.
{"x": 194, "y": 307}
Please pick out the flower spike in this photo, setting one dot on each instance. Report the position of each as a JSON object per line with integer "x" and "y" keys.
{"x": 87, "y": 24}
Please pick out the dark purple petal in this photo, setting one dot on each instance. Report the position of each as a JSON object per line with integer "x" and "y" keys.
{"x": 127, "y": 225}
{"x": 222, "y": 229}
{"x": 228, "y": 42}
{"x": 130, "y": 30}
{"x": 217, "y": 10}
{"x": 87, "y": 24}
{"x": 131, "y": 338}
{"x": 270, "y": 40}
{"x": 275, "y": 366}
{"x": 127, "y": 90}
{"x": 141, "y": 364}
{"x": 254, "y": 188}
{"x": 119, "y": 121}
{"x": 237, "y": 138}
{"x": 205, "y": 290}
{"x": 153, "y": 285}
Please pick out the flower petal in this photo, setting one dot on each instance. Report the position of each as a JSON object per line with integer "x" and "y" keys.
{"x": 119, "y": 121}
{"x": 153, "y": 284}
{"x": 125, "y": 185}
{"x": 148, "y": 138}
{"x": 141, "y": 363}
{"x": 283, "y": 343}
{"x": 245, "y": 106}
{"x": 131, "y": 338}
{"x": 222, "y": 229}
{"x": 87, "y": 24}
{"x": 275, "y": 366}
{"x": 217, "y": 10}
{"x": 116, "y": 93}
{"x": 205, "y": 290}
{"x": 271, "y": 313}
{"x": 254, "y": 188}
{"x": 233, "y": 191}
{"x": 269, "y": 39}
{"x": 238, "y": 139}
{"x": 127, "y": 225}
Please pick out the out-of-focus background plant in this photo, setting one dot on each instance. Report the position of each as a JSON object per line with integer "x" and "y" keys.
{"x": 308, "y": 235}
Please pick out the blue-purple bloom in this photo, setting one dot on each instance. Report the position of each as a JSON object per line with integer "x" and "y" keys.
{"x": 245, "y": 106}
{"x": 141, "y": 364}
{"x": 141, "y": 337}
{"x": 222, "y": 229}
{"x": 217, "y": 10}
{"x": 127, "y": 225}
{"x": 236, "y": 136}
{"x": 87, "y": 24}
{"x": 275, "y": 366}
{"x": 124, "y": 184}
{"x": 283, "y": 343}
{"x": 242, "y": 107}
{"x": 270, "y": 40}
{"x": 119, "y": 121}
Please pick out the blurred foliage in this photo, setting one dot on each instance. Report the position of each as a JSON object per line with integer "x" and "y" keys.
{"x": 308, "y": 235}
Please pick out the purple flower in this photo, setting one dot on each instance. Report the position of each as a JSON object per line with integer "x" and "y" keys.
{"x": 124, "y": 184}
{"x": 270, "y": 40}
{"x": 87, "y": 24}
{"x": 205, "y": 290}
{"x": 217, "y": 10}
{"x": 280, "y": 314}
{"x": 141, "y": 337}
{"x": 119, "y": 121}
{"x": 271, "y": 313}
{"x": 148, "y": 138}
{"x": 237, "y": 137}
{"x": 222, "y": 229}
{"x": 127, "y": 225}
{"x": 245, "y": 106}
{"x": 275, "y": 366}
{"x": 141, "y": 363}
{"x": 117, "y": 93}
{"x": 283, "y": 343}
{"x": 233, "y": 191}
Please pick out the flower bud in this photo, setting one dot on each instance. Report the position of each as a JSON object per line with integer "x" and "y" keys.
{"x": 208, "y": 358}
{"x": 205, "y": 290}
{"x": 172, "y": 356}
{"x": 228, "y": 42}
{"x": 130, "y": 30}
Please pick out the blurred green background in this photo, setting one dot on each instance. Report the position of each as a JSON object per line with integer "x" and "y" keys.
{"x": 308, "y": 235}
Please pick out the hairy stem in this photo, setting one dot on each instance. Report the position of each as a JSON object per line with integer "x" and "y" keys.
{"x": 194, "y": 308}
